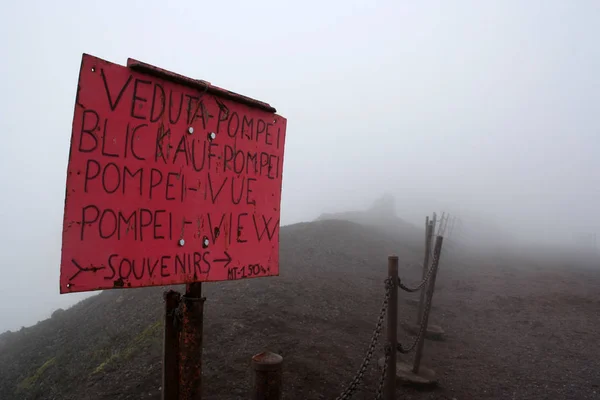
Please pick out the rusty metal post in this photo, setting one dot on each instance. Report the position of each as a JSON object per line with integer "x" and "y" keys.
{"x": 428, "y": 236}
{"x": 430, "y": 287}
{"x": 267, "y": 377}
{"x": 392, "y": 329}
{"x": 190, "y": 343}
{"x": 170, "y": 367}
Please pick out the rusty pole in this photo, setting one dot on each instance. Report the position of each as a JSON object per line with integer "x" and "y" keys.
{"x": 430, "y": 287}
{"x": 392, "y": 329}
{"x": 190, "y": 343}
{"x": 170, "y": 371}
{"x": 266, "y": 384}
{"x": 428, "y": 236}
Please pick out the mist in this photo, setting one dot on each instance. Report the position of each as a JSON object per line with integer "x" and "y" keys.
{"x": 483, "y": 110}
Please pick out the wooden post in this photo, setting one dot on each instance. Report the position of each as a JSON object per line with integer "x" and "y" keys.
{"x": 266, "y": 384}
{"x": 170, "y": 370}
{"x": 392, "y": 329}
{"x": 430, "y": 289}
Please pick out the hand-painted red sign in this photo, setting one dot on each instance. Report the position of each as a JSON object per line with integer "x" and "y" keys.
{"x": 170, "y": 180}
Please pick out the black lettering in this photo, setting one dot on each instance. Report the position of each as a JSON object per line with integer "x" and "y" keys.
{"x": 157, "y": 225}
{"x": 170, "y": 185}
{"x": 239, "y": 198}
{"x": 264, "y": 162}
{"x": 88, "y": 176}
{"x": 104, "y": 152}
{"x": 191, "y": 111}
{"x": 174, "y": 121}
{"x": 151, "y": 269}
{"x": 89, "y": 132}
{"x": 228, "y": 153}
{"x": 133, "y": 140}
{"x": 261, "y": 127}
{"x": 238, "y": 162}
{"x": 129, "y": 224}
{"x": 222, "y": 117}
{"x": 207, "y": 262}
{"x": 194, "y": 164}
{"x": 111, "y": 266}
{"x": 137, "y": 98}
{"x": 214, "y": 196}
{"x": 204, "y": 115}
{"x": 101, "y": 223}
{"x": 237, "y": 125}
{"x": 240, "y": 228}
{"x": 197, "y": 260}
{"x": 141, "y": 275}
{"x": 214, "y": 230}
{"x": 106, "y": 180}
{"x": 155, "y": 117}
{"x": 163, "y": 266}
{"x": 268, "y": 135}
{"x": 249, "y": 124}
{"x": 144, "y": 211}
{"x": 85, "y": 220}
{"x": 128, "y": 172}
{"x": 265, "y": 229}
{"x": 278, "y": 136}
{"x": 180, "y": 263}
{"x": 153, "y": 183}
{"x": 232, "y": 274}
{"x": 252, "y": 161}
{"x": 182, "y": 147}
{"x": 123, "y": 262}
{"x": 271, "y": 163}
{"x": 114, "y": 105}
{"x": 160, "y": 136}
{"x": 211, "y": 155}
{"x": 249, "y": 190}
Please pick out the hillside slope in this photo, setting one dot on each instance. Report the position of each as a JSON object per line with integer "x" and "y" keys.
{"x": 324, "y": 302}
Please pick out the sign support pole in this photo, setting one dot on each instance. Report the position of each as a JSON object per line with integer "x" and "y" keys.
{"x": 170, "y": 372}
{"x": 190, "y": 343}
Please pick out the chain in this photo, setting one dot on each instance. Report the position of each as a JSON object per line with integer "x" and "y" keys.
{"x": 388, "y": 353}
{"x": 423, "y": 319}
{"x": 420, "y": 286}
{"x": 357, "y": 380}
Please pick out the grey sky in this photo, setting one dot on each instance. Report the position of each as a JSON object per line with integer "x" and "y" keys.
{"x": 488, "y": 107}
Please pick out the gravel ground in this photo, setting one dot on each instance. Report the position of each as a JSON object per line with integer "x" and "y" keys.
{"x": 516, "y": 327}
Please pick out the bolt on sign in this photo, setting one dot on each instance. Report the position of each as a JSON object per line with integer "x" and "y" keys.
{"x": 170, "y": 180}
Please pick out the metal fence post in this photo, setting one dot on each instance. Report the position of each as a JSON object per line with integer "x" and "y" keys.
{"x": 267, "y": 376}
{"x": 170, "y": 370}
{"x": 392, "y": 329}
{"x": 190, "y": 345}
{"x": 430, "y": 288}
{"x": 428, "y": 236}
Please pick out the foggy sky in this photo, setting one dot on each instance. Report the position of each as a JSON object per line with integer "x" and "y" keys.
{"x": 483, "y": 107}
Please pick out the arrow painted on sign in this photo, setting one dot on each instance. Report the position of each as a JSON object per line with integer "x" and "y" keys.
{"x": 226, "y": 260}
{"x": 84, "y": 269}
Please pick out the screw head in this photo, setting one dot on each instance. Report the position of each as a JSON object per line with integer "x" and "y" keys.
{"x": 206, "y": 242}
{"x": 212, "y": 136}
{"x": 181, "y": 242}
{"x": 191, "y": 130}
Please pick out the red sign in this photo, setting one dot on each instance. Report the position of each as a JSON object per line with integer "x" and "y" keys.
{"x": 170, "y": 180}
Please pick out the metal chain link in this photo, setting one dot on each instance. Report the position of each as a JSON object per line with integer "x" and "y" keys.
{"x": 422, "y": 327}
{"x": 420, "y": 286}
{"x": 358, "y": 378}
{"x": 388, "y": 353}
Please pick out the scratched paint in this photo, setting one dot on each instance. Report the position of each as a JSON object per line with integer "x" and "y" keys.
{"x": 170, "y": 180}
